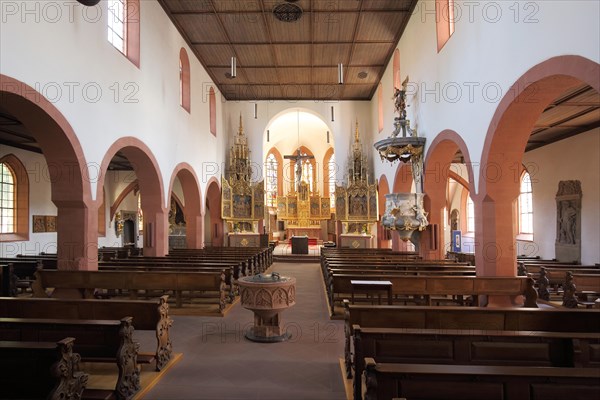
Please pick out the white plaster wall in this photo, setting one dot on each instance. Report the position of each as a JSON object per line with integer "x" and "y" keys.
{"x": 487, "y": 50}
{"x": 576, "y": 158}
{"x": 62, "y": 45}
{"x": 40, "y": 203}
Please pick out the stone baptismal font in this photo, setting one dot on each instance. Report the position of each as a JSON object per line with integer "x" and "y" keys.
{"x": 267, "y": 295}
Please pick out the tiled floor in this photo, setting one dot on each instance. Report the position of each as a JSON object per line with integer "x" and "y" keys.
{"x": 219, "y": 363}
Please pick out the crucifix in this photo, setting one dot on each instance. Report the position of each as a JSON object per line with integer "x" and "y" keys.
{"x": 298, "y": 157}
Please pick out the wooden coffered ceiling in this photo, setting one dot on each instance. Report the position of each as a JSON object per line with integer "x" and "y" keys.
{"x": 296, "y": 60}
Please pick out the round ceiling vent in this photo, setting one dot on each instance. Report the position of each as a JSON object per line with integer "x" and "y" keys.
{"x": 287, "y": 12}
{"x": 362, "y": 75}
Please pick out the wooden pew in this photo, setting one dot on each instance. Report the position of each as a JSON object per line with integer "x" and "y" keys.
{"x": 149, "y": 315}
{"x": 82, "y": 284}
{"x": 479, "y": 318}
{"x": 40, "y": 370}
{"x": 473, "y": 347}
{"x": 383, "y": 381}
{"x": 428, "y": 286}
{"x": 231, "y": 273}
{"x": 96, "y": 341}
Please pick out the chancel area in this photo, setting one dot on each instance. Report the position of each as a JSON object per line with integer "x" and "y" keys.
{"x": 309, "y": 199}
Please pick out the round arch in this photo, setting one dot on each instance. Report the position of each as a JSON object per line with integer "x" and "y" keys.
{"x": 383, "y": 188}
{"x": 192, "y": 197}
{"x": 213, "y": 204}
{"x": 436, "y": 174}
{"x": 77, "y": 222}
{"x": 503, "y": 150}
{"x": 151, "y": 187}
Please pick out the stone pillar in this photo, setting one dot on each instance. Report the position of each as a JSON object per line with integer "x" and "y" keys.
{"x": 77, "y": 236}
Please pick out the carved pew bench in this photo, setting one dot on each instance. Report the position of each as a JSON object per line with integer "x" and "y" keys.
{"x": 148, "y": 315}
{"x": 383, "y": 381}
{"x": 473, "y": 347}
{"x": 83, "y": 284}
{"x": 96, "y": 341}
{"x": 40, "y": 370}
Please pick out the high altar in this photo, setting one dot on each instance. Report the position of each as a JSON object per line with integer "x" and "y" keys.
{"x": 242, "y": 202}
{"x": 302, "y": 208}
{"x": 357, "y": 203}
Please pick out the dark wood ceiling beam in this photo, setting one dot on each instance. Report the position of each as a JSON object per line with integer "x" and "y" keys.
{"x": 567, "y": 119}
{"x": 222, "y": 26}
{"x": 396, "y": 40}
{"x": 319, "y": 11}
{"x": 564, "y": 99}
{"x": 294, "y": 42}
{"x": 25, "y": 136}
{"x": 270, "y": 37}
{"x": 354, "y": 36}
{"x": 185, "y": 37}
{"x": 312, "y": 47}
{"x": 21, "y": 146}
{"x": 299, "y": 66}
{"x": 574, "y": 132}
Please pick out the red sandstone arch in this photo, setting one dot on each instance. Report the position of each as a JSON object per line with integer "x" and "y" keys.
{"x": 213, "y": 203}
{"x": 326, "y": 158}
{"x": 435, "y": 186}
{"x": 151, "y": 187}
{"x": 192, "y": 197}
{"x": 383, "y": 188}
{"x": 403, "y": 179}
{"x": 504, "y": 146}
{"x": 77, "y": 229}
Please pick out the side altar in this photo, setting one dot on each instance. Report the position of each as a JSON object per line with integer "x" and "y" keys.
{"x": 242, "y": 201}
{"x": 356, "y": 203}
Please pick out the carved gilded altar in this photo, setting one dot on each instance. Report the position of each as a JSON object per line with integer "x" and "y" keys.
{"x": 242, "y": 201}
{"x": 356, "y": 203}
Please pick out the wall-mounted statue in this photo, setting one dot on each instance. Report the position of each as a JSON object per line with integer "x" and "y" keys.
{"x": 568, "y": 221}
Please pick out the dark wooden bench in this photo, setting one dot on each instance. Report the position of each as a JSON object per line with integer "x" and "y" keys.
{"x": 83, "y": 284}
{"x": 384, "y": 381}
{"x": 231, "y": 272}
{"x": 473, "y": 347}
{"x": 96, "y": 341}
{"x": 152, "y": 315}
{"x": 475, "y": 318}
{"x": 40, "y": 370}
{"x": 427, "y": 288}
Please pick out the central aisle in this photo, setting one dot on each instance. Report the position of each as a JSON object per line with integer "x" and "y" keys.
{"x": 219, "y": 363}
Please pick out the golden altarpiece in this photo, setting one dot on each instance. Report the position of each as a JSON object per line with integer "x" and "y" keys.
{"x": 303, "y": 208}
{"x": 356, "y": 203}
{"x": 242, "y": 202}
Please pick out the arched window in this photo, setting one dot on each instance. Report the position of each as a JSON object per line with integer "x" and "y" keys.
{"x": 526, "y": 205}
{"x": 212, "y": 108}
{"x": 444, "y": 18}
{"x": 308, "y": 172}
{"x": 14, "y": 200}
{"x": 332, "y": 167}
{"x": 8, "y": 200}
{"x": 124, "y": 28}
{"x": 184, "y": 80}
{"x": 397, "y": 69}
{"x": 272, "y": 177}
{"x": 470, "y": 215}
{"x": 380, "y": 106}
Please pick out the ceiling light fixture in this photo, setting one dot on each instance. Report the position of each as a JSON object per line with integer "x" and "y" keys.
{"x": 340, "y": 73}
{"x": 332, "y": 115}
{"x": 233, "y": 67}
{"x": 255, "y": 110}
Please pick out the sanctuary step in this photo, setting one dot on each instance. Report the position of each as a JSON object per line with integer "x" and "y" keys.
{"x": 293, "y": 258}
